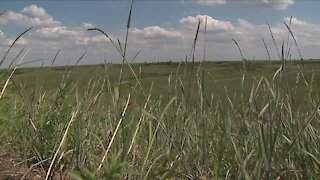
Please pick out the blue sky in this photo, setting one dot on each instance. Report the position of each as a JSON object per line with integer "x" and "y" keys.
{"x": 160, "y": 29}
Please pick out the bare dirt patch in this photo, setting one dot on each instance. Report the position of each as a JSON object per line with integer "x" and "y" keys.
{"x": 11, "y": 167}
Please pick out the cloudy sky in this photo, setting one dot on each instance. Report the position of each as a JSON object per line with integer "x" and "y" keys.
{"x": 161, "y": 30}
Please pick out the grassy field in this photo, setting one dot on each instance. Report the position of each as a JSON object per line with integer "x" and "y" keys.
{"x": 169, "y": 120}
{"x": 217, "y": 76}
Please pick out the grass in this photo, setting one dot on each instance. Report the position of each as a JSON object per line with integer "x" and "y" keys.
{"x": 257, "y": 131}
{"x": 190, "y": 120}
{"x": 217, "y": 76}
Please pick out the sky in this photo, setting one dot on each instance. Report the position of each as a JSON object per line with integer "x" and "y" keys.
{"x": 160, "y": 30}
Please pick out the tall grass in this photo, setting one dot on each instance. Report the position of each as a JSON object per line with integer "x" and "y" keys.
{"x": 104, "y": 132}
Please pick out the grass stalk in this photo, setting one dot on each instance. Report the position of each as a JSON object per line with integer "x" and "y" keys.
{"x": 192, "y": 57}
{"x": 273, "y": 40}
{"x": 114, "y": 134}
{"x": 266, "y": 47}
{"x": 242, "y": 57}
{"x": 11, "y": 74}
{"x": 295, "y": 41}
{"x": 139, "y": 123}
{"x": 7, "y": 52}
{"x": 62, "y": 142}
{"x": 151, "y": 142}
{"x": 55, "y": 57}
{"x": 3, "y": 12}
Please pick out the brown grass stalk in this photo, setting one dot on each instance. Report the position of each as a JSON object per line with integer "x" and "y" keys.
{"x": 73, "y": 115}
{"x": 114, "y": 134}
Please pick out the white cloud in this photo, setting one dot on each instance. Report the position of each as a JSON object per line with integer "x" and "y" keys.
{"x": 156, "y": 32}
{"x": 58, "y": 31}
{"x": 307, "y": 34}
{"x": 87, "y": 25}
{"x": 75, "y": 35}
{"x": 212, "y": 2}
{"x": 245, "y": 24}
{"x": 248, "y": 35}
{"x": 21, "y": 41}
{"x": 81, "y": 40}
{"x": 99, "y": 39}
{"x": 295, "y": 21}
{"x": 36, "y": 11}
{"x": 275, "y": 4}
{"x": 159, "y": 43}
{"x": 213, "y": 25}
{"x": 34, "y": 16}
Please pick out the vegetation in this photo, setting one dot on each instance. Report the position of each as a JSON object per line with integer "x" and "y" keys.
{"x": 231, "y": 120}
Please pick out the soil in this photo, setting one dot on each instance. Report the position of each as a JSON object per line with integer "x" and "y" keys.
{"x": 11, "y": 167}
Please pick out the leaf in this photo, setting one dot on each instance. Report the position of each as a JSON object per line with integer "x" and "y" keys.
{"x": 263, "y": 110}
{"x": 277, "y": 72}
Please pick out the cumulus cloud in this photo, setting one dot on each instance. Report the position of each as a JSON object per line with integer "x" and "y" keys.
{"x": 245, "y": 24}
{"x": 33, "y": 16}
{"x": 75, "y": 35}
{"x": 212, "y": 2}
{"x": 21, "y": 41}
{"x": 295, "y": 21}
{"x": 248, "y": 35}
{"x": 87, "y": 25}
{"x": 157, "y": 43}
{"x": 35, "y": 11}
{"x": 99, "y": 39}
{"x": 275, "y": 4}
{"x": 307, "y": 34}
{"x": 213, "y": 25}
{"x": 58, "y": 31}
{"x": 102, "y": 39}
{"x": 81, "y": 40}
{"x": 156, "y": 32}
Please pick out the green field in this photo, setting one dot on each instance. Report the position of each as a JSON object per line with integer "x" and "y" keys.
{"x": 164, "y": 77}
{"x": 209, "y": 120}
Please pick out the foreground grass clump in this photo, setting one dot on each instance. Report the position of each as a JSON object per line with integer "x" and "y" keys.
{"x": 261, "y": 128}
